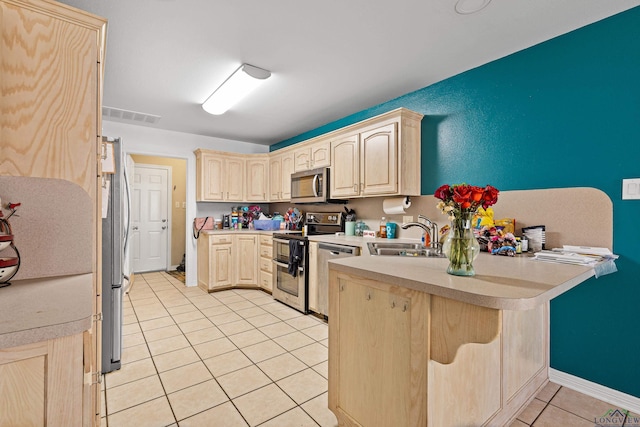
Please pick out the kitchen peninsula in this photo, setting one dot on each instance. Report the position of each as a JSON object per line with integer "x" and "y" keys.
{"x": 412, "y": 345}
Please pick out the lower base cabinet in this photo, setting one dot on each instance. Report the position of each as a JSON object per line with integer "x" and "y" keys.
{"x": 228, "y": 260}
{"x": 401, "y": 357}
{"x": 43, "y": 384}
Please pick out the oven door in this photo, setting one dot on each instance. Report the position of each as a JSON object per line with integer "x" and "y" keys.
{"x": 285, "y": 282}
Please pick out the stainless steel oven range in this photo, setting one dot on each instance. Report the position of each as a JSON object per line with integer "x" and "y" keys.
{"x": 291, "y": 257}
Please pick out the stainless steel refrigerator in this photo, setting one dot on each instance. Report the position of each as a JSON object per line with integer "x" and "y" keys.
{"x": 115, "y": 230}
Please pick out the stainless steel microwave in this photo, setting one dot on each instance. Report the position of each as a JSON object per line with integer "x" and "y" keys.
{"x": 310, "y": 186}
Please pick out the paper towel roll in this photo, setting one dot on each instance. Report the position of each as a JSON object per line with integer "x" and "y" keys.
{"x": 395, "y": 206}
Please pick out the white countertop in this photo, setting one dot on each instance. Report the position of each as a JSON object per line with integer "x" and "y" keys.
{"x": 36, "y": 310}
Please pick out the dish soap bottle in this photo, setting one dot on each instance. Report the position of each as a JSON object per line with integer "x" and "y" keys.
{"x": 383, "y": 227}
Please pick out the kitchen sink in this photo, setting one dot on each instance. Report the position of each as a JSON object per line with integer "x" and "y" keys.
{"x": 402, "y": 249}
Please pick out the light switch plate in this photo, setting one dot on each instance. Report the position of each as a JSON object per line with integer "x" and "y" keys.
{"x": 407, "y": 218}
{"x": 631, "y": 189}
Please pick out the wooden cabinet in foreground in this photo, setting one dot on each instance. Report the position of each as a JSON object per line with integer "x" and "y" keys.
{"x": 51, "y": 69}
{"x": 401, "y": 357}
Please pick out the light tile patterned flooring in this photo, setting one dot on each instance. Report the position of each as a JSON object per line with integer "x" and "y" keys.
{"x": 238, "y": 358}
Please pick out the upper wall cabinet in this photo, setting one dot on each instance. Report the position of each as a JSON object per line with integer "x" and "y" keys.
{"x": 231, "y": 177}
{"x": 220, "y": 177}
{"x": 257, "y": 189}
{"x": 312, "y": 156}
{"x": 381, "y": 157}
{"x": 50, "y": 98}
{"x": 280, "y": 170}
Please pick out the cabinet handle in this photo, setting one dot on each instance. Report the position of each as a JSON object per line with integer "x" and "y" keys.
{"x": 368, "y": 296}
{"x": 355, "y": 188}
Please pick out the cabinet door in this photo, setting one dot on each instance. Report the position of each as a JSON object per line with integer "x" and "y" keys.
{"x": 302, "y": 159}
{"x": 379, "y": 161}
{"x": 275, "y": 179}
{"x": 287, "y": 170}
{"x": 211, "y": 178}
{"x": 234, "y": 179}
{"x": 257, "y": 180}
{"x": 313, "y": 277}
{"x": 320, "y": 154}
{"x": 378, "y": 353}
{"x": 246, "y": 259}
{"x": 220, "y": 261}
{"x": 345, "y": 172}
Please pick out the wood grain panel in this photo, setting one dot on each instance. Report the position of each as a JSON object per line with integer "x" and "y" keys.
{"x": 22, "y": 392}
{"x": 49, "y": 97}
{"x": 454, "y": 324}
{"x": 379, "y": 377}
{"x": 465, "y": 392}
{"x": 524, "y": 347}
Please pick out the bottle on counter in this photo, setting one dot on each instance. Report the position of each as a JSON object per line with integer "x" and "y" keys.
{"x": 383, "y": 227}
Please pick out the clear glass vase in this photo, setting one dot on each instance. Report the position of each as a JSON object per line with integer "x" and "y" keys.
{"x": 461, "y": 246}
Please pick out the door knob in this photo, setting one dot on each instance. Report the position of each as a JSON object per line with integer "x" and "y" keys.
{"x": 164, "y": 227}
{"x": 135, "y": 227}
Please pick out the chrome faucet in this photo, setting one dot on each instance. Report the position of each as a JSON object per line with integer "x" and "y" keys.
{"x": 430, "y": 227}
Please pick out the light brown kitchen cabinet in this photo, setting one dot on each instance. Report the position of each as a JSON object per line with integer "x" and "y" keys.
{"x": 312, "y": 155}
{"x": 266, "y": 263}
{"x": 215, "y": 267}
{"x": 51, "y": 72}
{"x": 228, "y": 260}
{"x": 398, "y": 355}
{"x": 42, "y": 384}
{"x": 220, "y": 177}
{"x": 378, "y": 351}
{"x": 245, "y": 259}
{"x": 379, "y": 158}
{"x": 281, "y": 166}
{"x": 345, "y": 169}
{"x": 257, "y": 168}
{"x": 312, "y": 276}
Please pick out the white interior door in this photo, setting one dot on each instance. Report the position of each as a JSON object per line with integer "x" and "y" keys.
{"x": 150, "y": 224}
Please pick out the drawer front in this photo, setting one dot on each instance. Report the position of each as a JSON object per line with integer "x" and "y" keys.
{"x": 219, "y": 240}
{"x": 266, "y": 264}
{"x": 266, "y": 251}
{"x": 266, "y": 280}
{"x": 266, "y": 240}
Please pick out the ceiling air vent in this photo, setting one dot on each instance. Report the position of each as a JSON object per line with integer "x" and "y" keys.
{"x": 132, "y": 116}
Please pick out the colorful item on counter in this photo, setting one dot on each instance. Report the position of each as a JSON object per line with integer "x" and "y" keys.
{"x": 293, "y": 219}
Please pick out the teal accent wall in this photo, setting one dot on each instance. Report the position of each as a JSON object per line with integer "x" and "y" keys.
{"x": 564, "y": 113}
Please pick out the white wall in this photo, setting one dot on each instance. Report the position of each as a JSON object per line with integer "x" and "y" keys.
{"x": 157, "y": 142}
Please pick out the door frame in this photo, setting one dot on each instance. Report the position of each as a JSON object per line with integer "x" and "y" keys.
{"x": 169, "y": 170}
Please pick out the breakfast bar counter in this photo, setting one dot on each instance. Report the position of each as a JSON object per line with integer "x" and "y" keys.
{"x": 412, "y": 345}
{"x": 507, "y": 283}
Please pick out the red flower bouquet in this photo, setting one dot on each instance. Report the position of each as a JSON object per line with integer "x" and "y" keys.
{"x": 460, "y": 202}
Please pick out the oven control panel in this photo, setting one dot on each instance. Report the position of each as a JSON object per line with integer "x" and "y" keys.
{"x": 324, "y": 218}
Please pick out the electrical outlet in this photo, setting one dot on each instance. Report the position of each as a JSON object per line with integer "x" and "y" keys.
{"x": 631, "y": 189}
{"x": 407, "y": 218}
{"x": 177, "y": 205}
{"x": 184, "y": 205}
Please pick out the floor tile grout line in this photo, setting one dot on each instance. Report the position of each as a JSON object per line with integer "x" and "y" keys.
{"x": 261, "y": 370}
{"x": 238, "y": 348}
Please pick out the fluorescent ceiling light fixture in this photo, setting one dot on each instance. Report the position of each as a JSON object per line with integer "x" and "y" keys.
{"x": 242, "y": 82}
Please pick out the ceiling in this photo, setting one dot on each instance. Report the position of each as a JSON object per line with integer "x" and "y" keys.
{"x": 328, "y": 59}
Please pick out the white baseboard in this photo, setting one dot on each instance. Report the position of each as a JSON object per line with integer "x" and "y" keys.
{"x": 600, "y": 392}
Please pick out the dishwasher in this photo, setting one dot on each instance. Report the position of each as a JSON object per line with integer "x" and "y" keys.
{"x": 326, "y": 253}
